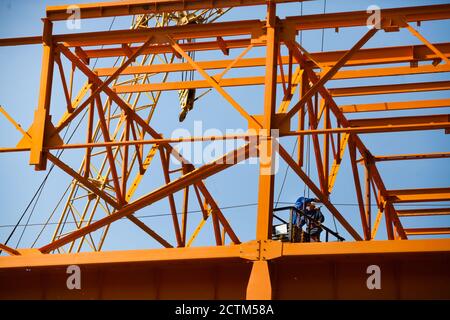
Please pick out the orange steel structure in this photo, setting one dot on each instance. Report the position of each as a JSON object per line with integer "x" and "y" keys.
{"x": 259, "y": 269}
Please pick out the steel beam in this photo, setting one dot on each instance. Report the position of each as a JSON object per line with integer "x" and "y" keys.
{"x": 390, "y": 88}
{"x": 260, "y": 62}
{"x": 159, "y": 35}
{"x": 370, "y": 56}
{"x": 8, "y": 250}
{"x": 323, "y": 198}
{"x": 42, "y": 114}
{"x": 34, "y": 258}
{"x": 330, "y": 73}
{"x": 266, "y": 152}
{"x": 158, "y": 194}
{"x": 391, "y": 71}
{"x": 399, "y": 105}
{"x": 359, "y": 18}
{"x": 436, "y": 155}
{"x": 419, "y": 195}
{"x": 420, "y": 212}
{"x": 129, "y": 7}
{"x": 414, "y": 269}
{"x": 427, "y": 231}
{"x": 410, "y": 120}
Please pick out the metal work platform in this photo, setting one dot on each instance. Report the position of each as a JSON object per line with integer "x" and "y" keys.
{"x": 122, "y": 144}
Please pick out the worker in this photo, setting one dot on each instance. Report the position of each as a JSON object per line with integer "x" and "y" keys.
{"x": 302, "y": 202}
{"x": 313, "y": 228}
{"x": 300, "y": 206}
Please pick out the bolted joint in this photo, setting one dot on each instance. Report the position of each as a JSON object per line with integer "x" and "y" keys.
{"x": 271, "y": 249}
{"x": 250, "y": 250}
{"x": 261, "y": 250}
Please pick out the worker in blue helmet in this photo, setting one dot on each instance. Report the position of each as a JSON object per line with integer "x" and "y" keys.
{"x": 313, "y": 224}
{"x": 306, "y": 209}
{"x": 302, "y": 202}
{"x": 300, "y": 205}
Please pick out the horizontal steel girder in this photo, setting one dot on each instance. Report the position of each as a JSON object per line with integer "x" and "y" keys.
{"x": 125, "y": 8}
{"x": 414, "y": 269}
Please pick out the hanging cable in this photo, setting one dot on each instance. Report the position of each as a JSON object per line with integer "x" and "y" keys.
{"x": 109, "y": 29}
{"x": 40, "y": 189}
{"x": 26, "y": 209}
{"x": 296, "y": 140}
{"x": 29, "y": 217}
{"x": 76, "y": 128}
{"x": 285, "y": 174}
{"x": 44, "y": 225}
{"x": 321, "y": 49}
{"x": 301, "y": 14}
{"x": 323, "y": 30}
{"x": 335, "y": 225}
{"x": 308, "y": 160}
{"x": 35, "y": 197}
{"x": 155, "y": 215}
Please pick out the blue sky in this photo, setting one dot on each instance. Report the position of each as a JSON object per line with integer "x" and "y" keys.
{"x": 19, "y": 94}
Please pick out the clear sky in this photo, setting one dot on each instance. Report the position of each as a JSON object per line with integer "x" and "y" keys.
{"x": 20, "y": 71}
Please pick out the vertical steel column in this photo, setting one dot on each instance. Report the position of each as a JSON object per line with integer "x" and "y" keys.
{"x": 259, "y": 285}
{"x": 388, "y": 220}
{"x": 266, "y": 177}
{"x": 367, "y": 200}
{"x": 359, "y": 195}
{"x": 301, "y": 119}
{"x": 42, "y": 114}
{"x": 326, "y": 147}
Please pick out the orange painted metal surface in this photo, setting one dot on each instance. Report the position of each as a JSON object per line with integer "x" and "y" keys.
{"x": 414, "y": 269}
{"x": 108, "y": 9}
{"x": 262, "y": 268}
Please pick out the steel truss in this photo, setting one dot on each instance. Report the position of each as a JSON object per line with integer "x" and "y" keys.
{"x": 112, "y": 97}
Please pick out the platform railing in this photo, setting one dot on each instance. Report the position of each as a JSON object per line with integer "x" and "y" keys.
{"x": 310, "y": 221}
